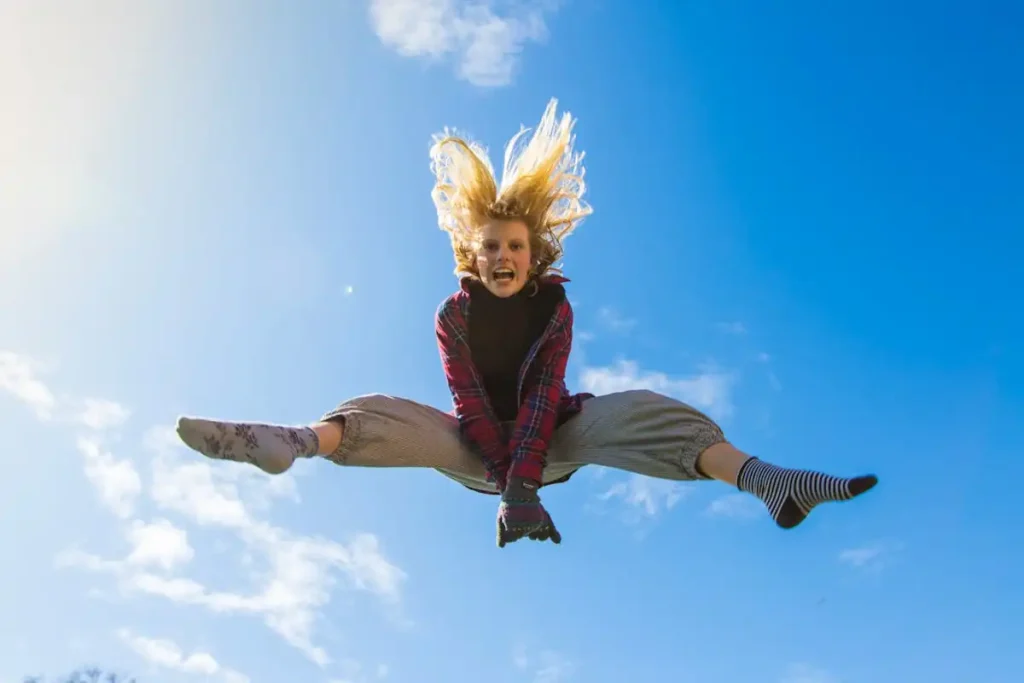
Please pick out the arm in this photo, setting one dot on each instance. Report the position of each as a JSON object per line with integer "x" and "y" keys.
{"x": 477, "y": 421}
{"x": 538, "y": 414}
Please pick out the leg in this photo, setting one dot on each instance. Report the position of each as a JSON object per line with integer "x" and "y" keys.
{"x": 654, "y": 435}
{"x": 368, "y": 431}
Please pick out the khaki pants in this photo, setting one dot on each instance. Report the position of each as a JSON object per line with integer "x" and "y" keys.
{"x": 636, "y": 431}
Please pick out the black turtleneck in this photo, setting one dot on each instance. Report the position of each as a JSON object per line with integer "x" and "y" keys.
{"x": 501, "y": 333}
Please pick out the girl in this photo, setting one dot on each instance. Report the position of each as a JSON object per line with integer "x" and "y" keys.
{"x": 504, "y": 339}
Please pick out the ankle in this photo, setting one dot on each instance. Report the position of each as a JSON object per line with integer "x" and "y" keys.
{"x": 723, "y": 462}
{"x": 329, "y": 435}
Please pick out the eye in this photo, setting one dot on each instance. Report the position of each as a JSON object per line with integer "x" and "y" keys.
{"x": 490, "y": 245}
{"x": 517, "y": 246}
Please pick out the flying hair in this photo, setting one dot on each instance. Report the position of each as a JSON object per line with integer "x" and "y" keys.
{"x": 541, "y": 185}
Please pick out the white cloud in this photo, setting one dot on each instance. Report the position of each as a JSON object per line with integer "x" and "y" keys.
{"x": 101, "y": 414}
{"x": 191, "y": 489}
{"x": 292, "y": 582}
{"x": 116, "y": 481}
{"x": 351, "y": 671}
{"x": 805, "y": 673}
{"x": 292, "y": 575}
{"x": 159, "y": 543}
{"x": 169, "y": 655}
{"x": 615, "y": 321}
{"x": 18, "y": 377}
{"x": 484, "y": 43}
{"x": 547, "y": 667}
{"x": 872, "y": 557}
{"x": 649, "y": 495}
{"x": 736, "y": 506}
{"x": 709, "y": 391}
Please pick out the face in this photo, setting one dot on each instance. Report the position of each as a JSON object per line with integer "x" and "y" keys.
{"x": 503, "y": 258}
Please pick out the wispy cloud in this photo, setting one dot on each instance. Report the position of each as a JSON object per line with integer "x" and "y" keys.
{"x": 101, "y": 414}
{"x": 740, "y": 506}
{"x": 292, "y": 575}
{"x": 158, "y": 544}
{"x": 806, "y": 673}
{"x": 646, "y": 495}
{"x": 18, "y": 378}
{"x": 351, "y": 671}
{"x": 167, "y": 654}
{"x": 546, "y": 666}
{"x": 21, "y": 376}
{"x": 116, "y": 480}
{"x": 484, "y": 43}
{"x": 710, "y": 391}
{"x": 614, "y": 321}
{"x": 296, "y": 575}
{"x": 872, "y": 557}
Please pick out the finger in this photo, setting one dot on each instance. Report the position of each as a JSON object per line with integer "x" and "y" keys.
{"x": 544, "y": 532}
{"x": 514, "y": 534}
{"x": 553, "y": 531}
{"x": 548, "y": 533}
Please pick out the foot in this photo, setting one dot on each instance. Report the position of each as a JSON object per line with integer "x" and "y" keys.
{"x": 790, "y": 495}
{"x": 272, "y": 448}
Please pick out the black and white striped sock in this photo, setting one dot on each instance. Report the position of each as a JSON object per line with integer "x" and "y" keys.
{"x": 790, "y": 495}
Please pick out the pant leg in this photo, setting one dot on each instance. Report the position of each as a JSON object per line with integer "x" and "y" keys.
{"x": 385, "y": 431}
{"x": 637, "y": 431}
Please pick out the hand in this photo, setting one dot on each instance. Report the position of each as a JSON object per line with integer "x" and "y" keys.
{"x": 522, "y": 515}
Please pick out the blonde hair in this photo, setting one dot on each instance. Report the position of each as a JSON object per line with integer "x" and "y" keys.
{"x": 542, "y": 185}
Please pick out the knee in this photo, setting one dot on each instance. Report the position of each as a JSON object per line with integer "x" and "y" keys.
{"x": 368, "y": 402}
{"x": 648, "y": 403}
{"x": 645, "y": 395}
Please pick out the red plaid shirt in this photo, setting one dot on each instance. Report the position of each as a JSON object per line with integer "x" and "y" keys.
{"x": 544, "y": 400}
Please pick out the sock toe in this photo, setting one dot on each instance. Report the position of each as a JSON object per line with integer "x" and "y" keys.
{"x": 186, "y": 430}
{"x": 859, "y": 485}
{"x": 195, "y": 433}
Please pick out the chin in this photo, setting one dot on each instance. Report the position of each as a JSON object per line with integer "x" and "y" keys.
{"x": 505, "y": 291}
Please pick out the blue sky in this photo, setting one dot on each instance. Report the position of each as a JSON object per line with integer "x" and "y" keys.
{"x": 804, "y": 223}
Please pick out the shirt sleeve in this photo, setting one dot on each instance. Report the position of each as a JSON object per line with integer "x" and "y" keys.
{"x": 477, "y": 421}
{"x": 538, "y": 413}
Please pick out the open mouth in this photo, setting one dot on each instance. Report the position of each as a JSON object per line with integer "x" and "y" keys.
{"x": 503, "y": 275}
